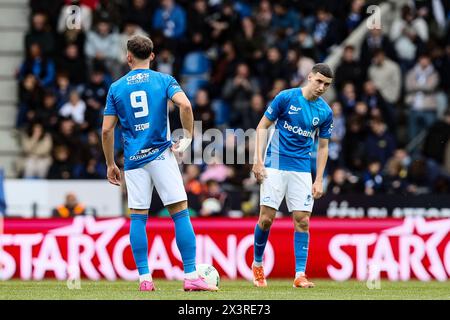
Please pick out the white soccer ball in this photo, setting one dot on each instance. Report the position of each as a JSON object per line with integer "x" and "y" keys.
{"x": 209, "y": 273}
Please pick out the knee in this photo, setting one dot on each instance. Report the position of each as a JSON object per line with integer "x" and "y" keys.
{"x": 302, "y": 223}
{"x": 265, "y": 222}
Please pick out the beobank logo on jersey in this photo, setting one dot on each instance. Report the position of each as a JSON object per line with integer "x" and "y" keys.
{"x": 297, "y": 130}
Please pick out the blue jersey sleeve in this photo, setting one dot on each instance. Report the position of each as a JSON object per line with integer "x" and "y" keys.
{"x": 172, "y": 87}
{"x": 110, "y": 108}
{"x": 275, "y": 108}
{"x": 326, "y": 127}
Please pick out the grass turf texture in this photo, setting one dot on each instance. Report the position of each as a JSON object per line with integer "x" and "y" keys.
{"x": 229, "y": 290}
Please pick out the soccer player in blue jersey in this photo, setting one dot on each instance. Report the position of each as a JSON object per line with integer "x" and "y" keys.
{"x": 297, "y": 115}
{"x": 138, "y": 101}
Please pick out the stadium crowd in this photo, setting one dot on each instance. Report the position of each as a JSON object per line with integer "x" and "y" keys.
{"x": 232, "y": 58}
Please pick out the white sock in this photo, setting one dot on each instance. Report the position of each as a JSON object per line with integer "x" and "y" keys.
{"x": 257, "y": 264}
{"x": 191, "y": 275}
{"x": 299, "y": 274}
{"x": 145, "y": 277}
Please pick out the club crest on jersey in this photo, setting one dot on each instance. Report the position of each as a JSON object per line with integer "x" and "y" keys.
{"x": 315, "y": 121}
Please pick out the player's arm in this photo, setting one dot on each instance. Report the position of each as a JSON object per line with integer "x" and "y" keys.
{"x": 187, "y": 120}
{"x": 322, "y": 157}
{"x": 261, "y": 140}
{"x": 113, "y": 173}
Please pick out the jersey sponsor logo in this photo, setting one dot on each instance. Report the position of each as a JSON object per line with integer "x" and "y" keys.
{"x": 269, "y": 110}
{"x": 297, "y": 130}
{"x": 294, "y": 109}
{"x": 138, "y": 78}
{"x": 141, "y": 126}
{"x": 315, "y": 121}
{"x": 144, "y": 153}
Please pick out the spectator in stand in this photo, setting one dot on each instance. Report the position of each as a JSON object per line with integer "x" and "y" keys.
{"x": 66, "y": 20}
{"x": 386, "y": 75}
{"x": 213, "y": 199}
{"x": 38, "y": 65}
{"x": 395, "y": 176}
{"x": 255, "y": 112}
{"x": 264, "y": 14}
{"x": 337, "y": 136}
{"x": 298, "y": 67}
{"x": 36, "y": 146}
{"x": 131, "y": 28}
{"x": 198, "y": 28}
{"x": 92, "y": 162}
{"x": 74, "y": 109}
{"x": 95, "y": 96}
{"x": 421, "y": 95}
{"x": 237, "y": 91}
{"x": 271, "y": 68}
{"x": 380, "y": 143}
{"x": 63, "y": 89}
{"x": 48, "y": 114}
{"x": 354, "y": 144}
{"x": 74, "y": 64}
{"x": 165, "y": 62}
{"x": 103, "y": 45}
{"x": 30, "y": 98}
{"x": 194, "y": 188}
{"x": 71, "y": 208}
{"x": 224, "y": 67}
{"x": 373, "y": 179}
{"x": 170, "y": 20}
{"x": 41, "y": 34}
{"x": 68, "y": 135}
{"x": 325, "y": 32}
{"x": 216, "y": 171}
{"x": 348, "y": 98}
{"x": 202, "y": 110}
{"x": 375, "y": 40}
{"x": 62, "y": 167}
{"x": 342, "y": 182}
{"x": 408, "y": 33}
{"x": 249, "y": 42}
{"x": 355, "y": 16}
{"x": 437, "y": 141}
{"x": 349, "y": 70}
{"x": 285, "y": 21}
{"x": 372, "y": 97}
{"x": 225, "y": 23}
{"x": 139, "y": 11}
{"x": 108, "y": 10}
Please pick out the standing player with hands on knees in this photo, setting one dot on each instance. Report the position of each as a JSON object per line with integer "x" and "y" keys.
{"x": 138, "y": 101}
{"x": 286, "y": 169}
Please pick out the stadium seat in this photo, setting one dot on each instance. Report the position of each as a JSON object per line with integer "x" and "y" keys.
{"x": 196, "y": 64}
{"x": 221, "y": 110}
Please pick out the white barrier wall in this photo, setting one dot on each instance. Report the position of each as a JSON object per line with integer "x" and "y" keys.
{"x": 23, "y": 197}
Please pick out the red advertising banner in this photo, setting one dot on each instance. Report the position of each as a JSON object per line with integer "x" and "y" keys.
{"x": 340, "y": 249}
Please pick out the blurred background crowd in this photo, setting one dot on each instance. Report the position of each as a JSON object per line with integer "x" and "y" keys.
{"x": 391, "y": 114}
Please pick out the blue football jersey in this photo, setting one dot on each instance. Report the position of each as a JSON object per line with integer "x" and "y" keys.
{"x": 296, "y": 122}
{"x": 139, "y": 100}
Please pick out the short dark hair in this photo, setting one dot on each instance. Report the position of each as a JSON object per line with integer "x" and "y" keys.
{"x": 141, "y": 47}
{"x": 323, "y": 69}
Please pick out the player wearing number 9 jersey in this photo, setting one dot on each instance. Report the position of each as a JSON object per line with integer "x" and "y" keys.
{"x": 138, "y": 101}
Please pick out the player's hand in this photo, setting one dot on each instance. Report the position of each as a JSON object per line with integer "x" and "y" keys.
{"x": 260, "y": 172}
{"x": 317, "y": 189}
{"x": 113, "y": 175}
{"x": 181, "y": 145}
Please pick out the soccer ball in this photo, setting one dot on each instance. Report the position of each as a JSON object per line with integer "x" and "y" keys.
{"x": 209, "y": 273}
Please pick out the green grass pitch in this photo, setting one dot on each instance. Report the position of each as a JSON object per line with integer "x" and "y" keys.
{"x": 229, "y": 290}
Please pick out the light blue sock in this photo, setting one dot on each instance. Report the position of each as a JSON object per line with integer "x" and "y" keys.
{"x": 259, "y": 243}
{"x": 301, "y": 245}
{"x": 138, "y": 240}
{"x": 185, "y": 238}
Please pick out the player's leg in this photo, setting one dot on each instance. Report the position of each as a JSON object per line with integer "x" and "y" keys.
{"x": 169, "y": 184}
{"x": 300, "y": 202}
{"x": 139, "y": 190}
{"x": 271, "y": 194}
